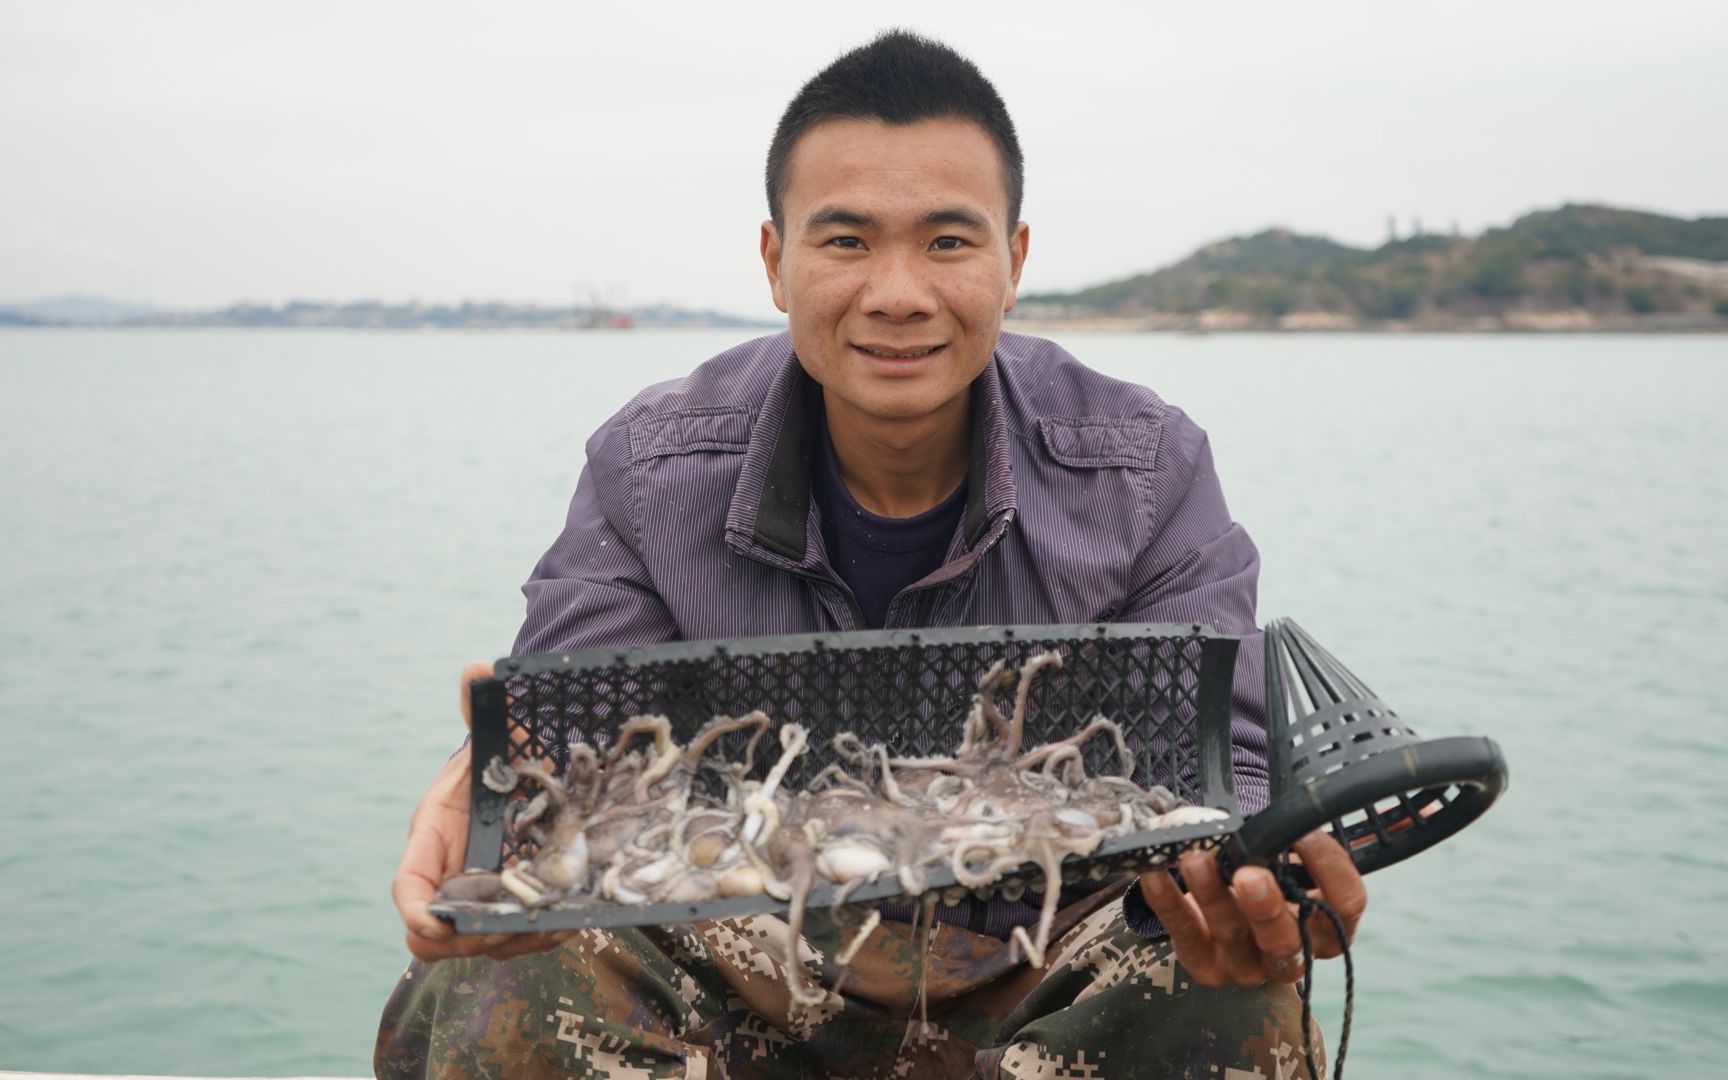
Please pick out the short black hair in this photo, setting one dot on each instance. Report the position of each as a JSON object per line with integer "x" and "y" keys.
{"x": 899, "y": 78}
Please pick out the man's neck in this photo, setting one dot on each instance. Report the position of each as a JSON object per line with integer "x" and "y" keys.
{"x": 902, "y": 469}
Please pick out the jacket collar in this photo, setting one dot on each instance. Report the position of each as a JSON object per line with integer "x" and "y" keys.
{"x": 770, "y": 513}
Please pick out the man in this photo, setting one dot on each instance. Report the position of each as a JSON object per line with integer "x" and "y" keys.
{"x": 892, "y": 460}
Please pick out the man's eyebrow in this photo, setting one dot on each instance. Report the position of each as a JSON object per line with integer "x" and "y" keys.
{"x": 956, "y": 216}
{"x": 836, "y": 216}
{"x": 830, "y": 216}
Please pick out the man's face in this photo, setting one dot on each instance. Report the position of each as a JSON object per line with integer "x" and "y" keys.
{"x": 896, "y": 266}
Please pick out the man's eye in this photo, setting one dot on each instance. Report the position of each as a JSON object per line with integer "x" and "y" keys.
{"x": 947, "y": 243}
{"x": 848, "y": 242}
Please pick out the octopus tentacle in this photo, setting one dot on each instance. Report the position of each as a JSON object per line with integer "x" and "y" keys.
{"x": 1023, "y": 694}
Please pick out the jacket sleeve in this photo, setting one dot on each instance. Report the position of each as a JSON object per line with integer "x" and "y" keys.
{"x": 592, "y": 587}
{"x": 1200, "y": 566}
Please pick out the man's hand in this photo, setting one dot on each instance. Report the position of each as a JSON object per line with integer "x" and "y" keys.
{"x": 1245, "y": 932}
{"x": 437, "y": 842}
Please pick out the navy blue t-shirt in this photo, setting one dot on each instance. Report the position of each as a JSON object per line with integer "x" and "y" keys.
{"x": 878, "y": 556}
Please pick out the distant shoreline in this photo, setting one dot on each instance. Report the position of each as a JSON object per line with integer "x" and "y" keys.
{"x": 1165, "y": 324}
{"x": 1017, "y": 326}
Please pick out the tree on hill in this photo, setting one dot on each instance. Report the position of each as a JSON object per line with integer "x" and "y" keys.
{"x": 1573, "y": 232}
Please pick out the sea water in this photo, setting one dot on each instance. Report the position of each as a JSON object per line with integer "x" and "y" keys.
{"x": 239, "y": 572}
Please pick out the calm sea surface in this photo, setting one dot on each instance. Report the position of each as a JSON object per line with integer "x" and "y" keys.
{"x": 240, "y": 571}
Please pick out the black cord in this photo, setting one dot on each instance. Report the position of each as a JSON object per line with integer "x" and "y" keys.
{"x": 1306, "y": 906}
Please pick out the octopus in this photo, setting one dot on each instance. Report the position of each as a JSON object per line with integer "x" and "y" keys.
{"x": 634, "y": 826}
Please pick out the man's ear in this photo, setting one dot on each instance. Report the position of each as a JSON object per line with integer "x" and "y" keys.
{"x": 1017, "y": 247}
{"x": 771, "y": 262}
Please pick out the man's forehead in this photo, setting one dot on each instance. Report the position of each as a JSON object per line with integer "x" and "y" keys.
{"x": 839, "y": 149}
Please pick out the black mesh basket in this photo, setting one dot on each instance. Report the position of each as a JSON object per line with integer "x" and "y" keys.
{"x": 1168, "y": 686}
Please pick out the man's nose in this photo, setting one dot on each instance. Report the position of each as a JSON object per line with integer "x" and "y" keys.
{"x": 901, "y": 286}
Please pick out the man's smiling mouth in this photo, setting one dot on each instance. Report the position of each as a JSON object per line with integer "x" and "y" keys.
{"x": 897, "y": 354}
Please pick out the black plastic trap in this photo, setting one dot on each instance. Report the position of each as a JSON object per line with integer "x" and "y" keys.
{"x": 1168, "y": 686}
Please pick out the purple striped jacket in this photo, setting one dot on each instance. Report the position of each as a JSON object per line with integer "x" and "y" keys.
{"x": 1090, "y": 499}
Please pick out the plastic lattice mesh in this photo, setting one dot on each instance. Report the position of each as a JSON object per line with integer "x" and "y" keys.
{"x": 1167, "y": 686}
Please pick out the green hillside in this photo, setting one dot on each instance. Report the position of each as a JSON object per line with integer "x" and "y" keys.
{"x": 1575, "y": 267}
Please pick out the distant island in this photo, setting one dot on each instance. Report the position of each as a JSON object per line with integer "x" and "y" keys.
{"x": 1574, "y": 268}
{"x": 368, "y": 315}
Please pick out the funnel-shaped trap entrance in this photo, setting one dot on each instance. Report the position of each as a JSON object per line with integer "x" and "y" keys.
{"x": 1342, "y": 760}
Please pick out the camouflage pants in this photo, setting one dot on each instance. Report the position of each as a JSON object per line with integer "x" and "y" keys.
{"x": 710, "y": 1000}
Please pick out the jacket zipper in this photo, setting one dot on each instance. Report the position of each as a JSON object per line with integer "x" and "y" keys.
{"x": 925, "y": 606}
{"x": 926, "y": 602}
{"x": 852, "y": 607}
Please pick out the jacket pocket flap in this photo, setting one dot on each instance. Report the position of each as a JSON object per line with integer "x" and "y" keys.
{"x": 1097, "y": 442}
{"x": 724, "y": 427}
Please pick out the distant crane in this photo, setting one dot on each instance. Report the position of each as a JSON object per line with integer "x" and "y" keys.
{"x": 600, "y": 316}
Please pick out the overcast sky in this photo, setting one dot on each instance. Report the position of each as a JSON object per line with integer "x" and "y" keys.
{"x": 185, "y": 153}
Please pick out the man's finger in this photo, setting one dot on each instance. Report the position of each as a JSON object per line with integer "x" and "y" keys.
{"x": 1195, "y": 949}
{"x": 415, "y": 886}
{"x": 453, "y": 946}
{"x": 468, "y": 945}
{"x": 422, "y": 949}
{"x": 478, "y": 669}
{"x": 413, "y": 903}
{"x": 1228, "y": 925}
{"x": 523, "y": 944}
{"x": 436, "y": 843}
{"x": 492, "y": 946}
{"x": 1340, "y": 885}
{"x": 1274, "y": 928}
